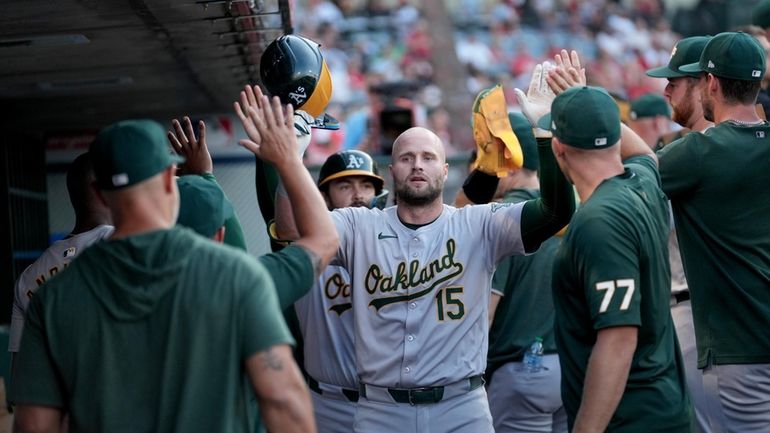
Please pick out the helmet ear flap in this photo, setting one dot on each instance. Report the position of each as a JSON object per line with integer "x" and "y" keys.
{"x": 322, "y": 93}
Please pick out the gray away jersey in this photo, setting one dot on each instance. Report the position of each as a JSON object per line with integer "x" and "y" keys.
{"x": 421, "y": 297}
{"x": 326, "y": 322}
{"x": 53, "y": 260}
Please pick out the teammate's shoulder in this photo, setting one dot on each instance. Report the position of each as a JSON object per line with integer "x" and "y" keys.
{"x": 491, "y": 207}
{"x": 644, "y": 165}
{"x": 360, "y": 212}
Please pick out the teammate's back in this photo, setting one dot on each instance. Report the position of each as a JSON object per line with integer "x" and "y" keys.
{"x": 148, "y": 349}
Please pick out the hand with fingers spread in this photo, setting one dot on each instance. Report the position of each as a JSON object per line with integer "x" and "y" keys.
{"x": 249, "y": 97}
{"x": 537, "y": 101}
{"x": 194, "y": 150}
{"x": 276, "y": 131}
{"x": 568, "y": 72}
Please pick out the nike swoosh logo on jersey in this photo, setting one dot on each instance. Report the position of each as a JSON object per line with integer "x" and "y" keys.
{"x": 382, "y": 236}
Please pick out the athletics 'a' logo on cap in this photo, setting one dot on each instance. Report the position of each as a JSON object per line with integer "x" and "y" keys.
{"x": 601, "y": 141}
{"x": 756, "y": 73}
{"x": 355, "y": 162}
{"x": 711, "y": 65}
{"x": 760, "y": 134}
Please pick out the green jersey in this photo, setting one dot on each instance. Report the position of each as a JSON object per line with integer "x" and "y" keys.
{"x": 718, "y": 185}
{"x": 525, "y": 311}
{"x": 150, "y": 333}
{"x": 612, "y": 270}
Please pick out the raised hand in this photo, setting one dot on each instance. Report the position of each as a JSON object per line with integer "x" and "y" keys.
{"x": 195, "y": 151}
{"x": 568, "y": 72}
{"x": 537, "y": 101}
{"x": 249, "y": 97}
{"x": 278, "y": 141}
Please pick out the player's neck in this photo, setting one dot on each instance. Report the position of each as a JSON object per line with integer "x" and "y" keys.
{"x": 141, "y": 216}
{"x": 589, "y": 177}
{"x": 701, "y": 124}
{"x": 420, "y": 215}
{"x": 745, "y": 114}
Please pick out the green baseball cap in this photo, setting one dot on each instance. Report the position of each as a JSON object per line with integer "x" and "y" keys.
{"x": 687, "y": 50}
{"x": 128, "y": 152}
{"x": 203, "y": 205}
{"x": 649, "y": 105}
{"x": 523, "y": 131}
{"x": 584, "y": 117}
{"x": 734, "y": 55}
{"x": 760, "y": 16}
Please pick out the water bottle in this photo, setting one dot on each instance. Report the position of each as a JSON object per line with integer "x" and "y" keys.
{"x": 533, "y": 358}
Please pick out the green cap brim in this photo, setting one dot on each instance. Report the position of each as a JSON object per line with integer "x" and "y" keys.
{"x": 691, "y": 68}
{"x": 664, "y": 72}
{"x": 545, "y": 122}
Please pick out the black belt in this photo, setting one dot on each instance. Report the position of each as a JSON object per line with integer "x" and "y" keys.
{"x": 427, "y": 395}
{"x": 681, "y": 296}
{"x": 350, "y": 394}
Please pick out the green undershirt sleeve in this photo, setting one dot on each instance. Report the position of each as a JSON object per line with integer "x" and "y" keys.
{"x": 543, "y": 217}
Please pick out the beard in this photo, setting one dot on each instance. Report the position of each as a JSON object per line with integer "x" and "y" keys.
{"x": 408, "y": 196}
{"x": 682, "y": 113}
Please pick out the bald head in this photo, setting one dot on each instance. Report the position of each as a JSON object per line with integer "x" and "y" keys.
{"x": 422, "y": 137}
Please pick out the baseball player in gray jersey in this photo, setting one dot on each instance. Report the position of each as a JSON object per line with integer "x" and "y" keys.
{"x": 346, "y": 179}
{"x": 92, "y": 224}
{"x": 420, "y": 276}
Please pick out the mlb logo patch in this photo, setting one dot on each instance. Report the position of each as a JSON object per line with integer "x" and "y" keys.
{"x": 601, "y": 141}
{"x": 760, "y": 134}
{"x": 69, "y": 252}
{"x": 120, "y": 179}
{"x": 711, "y": 64}
{"x": 756, "y": 73}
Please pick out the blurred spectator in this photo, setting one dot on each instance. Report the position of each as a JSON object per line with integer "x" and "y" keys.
{"x": 369, "y": 42}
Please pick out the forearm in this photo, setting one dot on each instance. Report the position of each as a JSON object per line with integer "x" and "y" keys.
{"x": 606, "y": 378}
{"x": 284, "y": 401}
{"x": 37, "y": 419}
{"x": 633, "y": 145}
{"x": 480, "y": 187}
{"x": 544, "y": 217}
{"x": 315, "y": 229}
{"x": 294, "y": 413}
{"x": 494, "y": 301}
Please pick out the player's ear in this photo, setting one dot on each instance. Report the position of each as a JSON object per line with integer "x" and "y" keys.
{"x": 169, "y": 178}
{"x": 557, "y": 147}
{"x": 712, "y": 83}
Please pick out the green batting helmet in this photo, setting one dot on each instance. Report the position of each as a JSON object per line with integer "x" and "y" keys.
{"x": 293, "y": 69}
{"x": 350, "y": 163}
